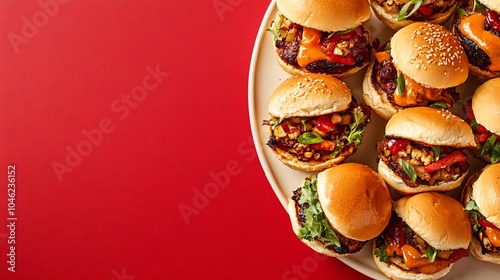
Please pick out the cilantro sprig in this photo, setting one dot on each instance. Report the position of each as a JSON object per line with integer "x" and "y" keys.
{"x": 491, "y": 148}
{"x": 381, "y": 253}
{"x": 356, "y": 128}
{"x": 473, "y": 209}
{"x": 431, "y": 253}
{"x": 316, "y": 226}
{"x": 275, "y": 27}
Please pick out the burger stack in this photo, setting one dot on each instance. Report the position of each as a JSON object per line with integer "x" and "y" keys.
{"x": 408, "y": 207}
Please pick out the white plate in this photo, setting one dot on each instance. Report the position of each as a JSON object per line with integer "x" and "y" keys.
{"x": 265, "y": 75}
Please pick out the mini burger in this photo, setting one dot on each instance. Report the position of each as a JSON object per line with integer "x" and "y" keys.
{"x": 315, "y": 122}
{"x": 477, "y": 26}
{"x": 426, "y": 235}
{"x": 322, "y": 36}
{"x": 421, "y": 66}
{"x": 399, "y": 13}
{"x": 481, "y": 198}
{"x": 342, "y": 208}
{"x": 483, "y": 115}
{"x": 423, "y": 150}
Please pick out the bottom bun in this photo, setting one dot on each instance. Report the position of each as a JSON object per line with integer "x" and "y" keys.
{"x": 293, "y": 162}
{"x": 395, "y": 272}
{"x": 476, "y": 250}
{"x": 315, "y": 245}
{"x": 483, "y": 74}
{"x": 393, "y": 180}
{"x": 376, "y": 100}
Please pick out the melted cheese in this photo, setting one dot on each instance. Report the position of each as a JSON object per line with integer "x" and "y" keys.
{"x": 493, "y": 235}
{"x": 310, "y": 49}
{"x": 473, "y": 28}
{"x": 415, "y": 93}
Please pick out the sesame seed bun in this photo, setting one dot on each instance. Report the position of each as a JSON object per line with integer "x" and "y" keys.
{"x": 377, "y": 100}
{"x": 326, "y": 15}
{"x": 355, "y": 200}
{"x": 392, "y": 271}
{"x": 492, "y": 5}
{"x": 438, "y": 219}
{"x": 432, "y": 126}
{"x": 308, "y": 96}
{"x": 484, "y": 188}
{"x": 430, "y": 55}
{"x": 486, "y": 105}
{"x": 391, "y": 19}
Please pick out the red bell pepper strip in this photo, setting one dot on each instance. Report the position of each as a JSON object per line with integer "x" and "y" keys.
{"x": 324, "y": 123}
{"x": 426, "y": 10}
{"x": 493, "y": 19}
{"x": 448, "y": 160}
{"x": 285, "y": 127}
{"x": 483, "y": 222}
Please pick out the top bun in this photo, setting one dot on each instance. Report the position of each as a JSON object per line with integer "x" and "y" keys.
{"x": 439, "y": 219}
{"x": 326, "y": 15}
{"x": 431, "y": 126}
{"x": 308, "y": 96}
{"x": 486, "y": 193}
{"x": 355, "y": 200}
{"x": 486, "y": 105}
{"x": 492, "y": 5}
{"x": 430, "y": 54}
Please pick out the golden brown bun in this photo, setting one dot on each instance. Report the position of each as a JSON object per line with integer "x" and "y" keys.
{"x": 391, "y": 19}
{"x": 376, "y": 100}
{"x": 431, "y": 126}
{"x": 315, "y": 245}
{"x": 486, "y": 193}
{"x": 310, "y": 166}
{"x": 309, "y": 95}
{"x": 430, "y": 55}
{"x": 355, "y": 200}
{"x": 483, "y": 73}
{"x": 486, "y": 105}
{"x": 326, "y": 15}
{"x": 492, "y": 4}
{"x": 476, "y": 251}
{"x": 475, "y": 247}
{"x": 394, "y": 272}
{"x": 439, "y": 219}
{"x": 397, "y": 183}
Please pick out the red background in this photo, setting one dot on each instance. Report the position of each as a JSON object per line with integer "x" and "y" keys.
{"x": 116, "y": 210}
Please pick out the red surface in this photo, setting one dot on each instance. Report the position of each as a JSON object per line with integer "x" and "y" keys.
{"x": 109, "y": 156}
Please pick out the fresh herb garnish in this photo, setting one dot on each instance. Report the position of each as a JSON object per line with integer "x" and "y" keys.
{"x": 461, "y": 12}
{"x": 431, "y": 253}
{"x": 478, "y": 7}
{"x": 275, "y": 27}
{"x": 304, "y": 124}
{"x": 437, "y": 152}
{"x": 309, "y": 138}
{"x": 356, "y": 128}
{"x": 473, "y": 124}
{"x": 316, "y": 226}
{"x": 381, "y": 253}
{"x": 491, "y": 148}
{"x": 439, "y": 105}
{"x": 472, "y": 208}
{"x": 403, "y": 15}
{"x": 400, "y": 81}
{"x": 409, "y": 171}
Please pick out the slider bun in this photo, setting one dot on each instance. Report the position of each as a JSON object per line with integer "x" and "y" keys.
{"x": 394, "y": 272}
{"x": 486, "y": 193}
{"x": 397, "y": 183}
{"x": 483, "y": 73}
{"x": 430, "y": 55}
{"x": 326, "y": 15}
{"x": 391, "y": 19}
{"x": 310, "y": 166}
{"x": 315, "y": 245}
{"x": 476, "y": 250}
{"x": 486, "y": 105}
{"x": 309, "y": 96}
{"x": 492, "y": 4}
{"x": 378, "y": 101}
{"x": 439, "y": 219}
{"x": 431, "y": 126}
{"x": 355, "y": 200}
